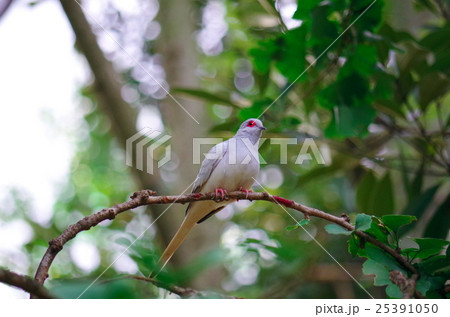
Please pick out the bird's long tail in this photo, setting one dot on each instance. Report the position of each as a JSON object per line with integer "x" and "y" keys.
{"x": 186, "y": 226}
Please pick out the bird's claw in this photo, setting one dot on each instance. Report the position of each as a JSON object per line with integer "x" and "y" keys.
{"x": 246, "y": 191}
{"x": 223, "y": 194}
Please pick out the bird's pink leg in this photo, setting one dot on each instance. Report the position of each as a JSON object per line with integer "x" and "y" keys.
{"x": 222, "y": 192}
{"x": 246, "y": 191}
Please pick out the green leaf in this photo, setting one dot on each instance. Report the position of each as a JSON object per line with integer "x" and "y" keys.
{"x": 393, "y": 291}
{"x": 419, "y": 205}
{"x": 290, "y": 57}
{"x": 428, "y": 283}
{"x": 429, "y": 247}
{"x": 434, "y": 40}
{"x": 323, "y": 30}
{"x": 363, "y": 222}
{"x": 439, "y": 225}
{"x": 436, "y": 265}
{"x": 429, "y": 93}
{"x": 335, "y": 229}
{"x": 378, "y": 232}
{"x": 380, "y": 264}
{"x": 304, "y": 9}
{"x": 299, "y": 224}
{"x": 394, "y": 222}
{"x": 365, "y": 191}
{"x": 350, "y": 121}
{"x": 416, "y": 185}
{"x": 428, "y": 5}
{"x": 207, "y": 96}
{"x": 263, "y": 55}
{"x": 383, "y": 200}
{"x": 353, "y": 245}
{"x": 423, "y": 284}
{"x": 373, "y": 16}
{"x": 290, "y": 228}
{"x": 383, "y": 258}
{"x": 361, "y": 60}
{"x": 371, "y": 267}
{"x": 303, "y": 222}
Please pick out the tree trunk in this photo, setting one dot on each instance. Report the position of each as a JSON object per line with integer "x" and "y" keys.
{"x": 177, "y": 45}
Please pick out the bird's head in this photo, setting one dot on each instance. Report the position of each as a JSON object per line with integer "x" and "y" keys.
{"x": 251, "y": 127}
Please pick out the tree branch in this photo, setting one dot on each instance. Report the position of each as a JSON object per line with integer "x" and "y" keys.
{"x": 180, "y": 291}
{"x": 407, "y": 286}
{"x": 25, "y": 283}
{"x": 147, "y": 197}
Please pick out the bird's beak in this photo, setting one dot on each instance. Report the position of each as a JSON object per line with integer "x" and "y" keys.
{"x": 262, "y": 128}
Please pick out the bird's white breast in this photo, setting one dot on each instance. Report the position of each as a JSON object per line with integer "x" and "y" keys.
{"x": 237, "y": 168}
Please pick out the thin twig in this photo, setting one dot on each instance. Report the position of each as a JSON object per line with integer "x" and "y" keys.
{"x": 178, "y": 290}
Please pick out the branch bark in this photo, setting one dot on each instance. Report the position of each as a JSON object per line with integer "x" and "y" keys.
{"x": 180, "y": 291}
{"x": 25, "y": 283}
{"x": 407, "y": 286}
{"x": 147, "y": 197}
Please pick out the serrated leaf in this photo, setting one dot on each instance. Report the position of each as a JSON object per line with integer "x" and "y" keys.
{"x": 371, "y": 267}
{"x": 335, "y": 229}
{"x": 394, "y": 222}
{"x": 363, "y": 222}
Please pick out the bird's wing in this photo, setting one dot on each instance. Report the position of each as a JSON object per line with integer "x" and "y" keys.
{"x": 208, "y": 165}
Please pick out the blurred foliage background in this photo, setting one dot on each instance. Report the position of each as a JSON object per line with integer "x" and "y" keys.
{"x": 367, "y": 80}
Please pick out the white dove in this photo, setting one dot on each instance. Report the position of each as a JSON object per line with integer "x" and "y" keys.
{"x": 228, "y": 166}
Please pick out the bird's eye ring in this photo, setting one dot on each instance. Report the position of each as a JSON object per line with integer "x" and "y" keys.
{"x": 251, "y": 123}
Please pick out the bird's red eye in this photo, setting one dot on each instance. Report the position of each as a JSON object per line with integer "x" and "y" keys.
{"x": 251, "y": 123}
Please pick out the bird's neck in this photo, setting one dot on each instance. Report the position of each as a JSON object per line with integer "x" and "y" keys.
{"x": 253, "y": 138}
